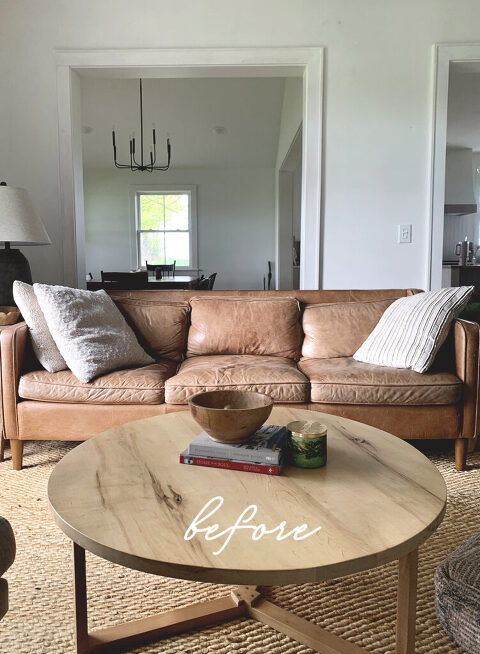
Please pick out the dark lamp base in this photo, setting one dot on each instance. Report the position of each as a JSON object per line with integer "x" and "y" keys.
{"x": 13, "y": 265}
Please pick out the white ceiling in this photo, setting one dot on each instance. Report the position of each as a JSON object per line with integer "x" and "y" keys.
{"x": 186, "y": 110}
{"x": 463, "y": 124}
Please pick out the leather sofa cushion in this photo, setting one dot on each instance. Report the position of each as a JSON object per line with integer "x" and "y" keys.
{"x": 61, "y": 421}
{"x": 258, "y": 326}
{"x": 275, "y": 376}
{"x": 161, "y": 327}
{"x": 433, "y": 421}
{"x": 344, "y": 380}
{"x": 339, "y": 329}
{"x": 144, "y": 385}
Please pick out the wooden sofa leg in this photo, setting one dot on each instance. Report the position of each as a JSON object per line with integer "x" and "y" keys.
{"x": 461, "y": 453}
{"x": 16, "y": 447}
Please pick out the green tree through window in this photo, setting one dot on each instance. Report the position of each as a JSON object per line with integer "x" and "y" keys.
{"x": 164, "y": 228}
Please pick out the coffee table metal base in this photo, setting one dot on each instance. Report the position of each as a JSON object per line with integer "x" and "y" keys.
{"x": 244, "y": 601}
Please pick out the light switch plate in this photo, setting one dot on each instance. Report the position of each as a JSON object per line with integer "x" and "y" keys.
{"x": 405, "y": 233}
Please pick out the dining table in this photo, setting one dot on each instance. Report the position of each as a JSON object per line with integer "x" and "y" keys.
{"x": 166, "y": 283}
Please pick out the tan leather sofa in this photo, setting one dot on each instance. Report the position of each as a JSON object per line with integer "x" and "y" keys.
{"x": 296, "y": 346}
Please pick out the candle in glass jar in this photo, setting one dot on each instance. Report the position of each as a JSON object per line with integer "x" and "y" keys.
{"x": 308, "y": 443}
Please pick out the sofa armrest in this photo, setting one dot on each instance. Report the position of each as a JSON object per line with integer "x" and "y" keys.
{"x": 13, "y": 342}
{"x": 466, "y": 339}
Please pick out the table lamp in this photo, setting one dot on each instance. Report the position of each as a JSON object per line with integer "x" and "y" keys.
{"x": 19, "y": 225}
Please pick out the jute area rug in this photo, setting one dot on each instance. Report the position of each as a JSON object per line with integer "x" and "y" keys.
{"x": 360, "y": 608}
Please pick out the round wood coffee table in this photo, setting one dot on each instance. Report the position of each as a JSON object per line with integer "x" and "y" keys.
{"x": 124, "y": 496}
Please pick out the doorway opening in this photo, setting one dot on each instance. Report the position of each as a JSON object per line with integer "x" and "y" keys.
{"x": 455, "y": 223}
{"x": 73, "y": 67}
{"x": 213, "y": 210}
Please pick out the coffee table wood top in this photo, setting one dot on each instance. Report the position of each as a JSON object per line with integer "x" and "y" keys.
{"x": 124, "y": 496}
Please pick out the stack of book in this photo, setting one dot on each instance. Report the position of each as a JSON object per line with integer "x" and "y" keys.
{"x": 264, "y": 452}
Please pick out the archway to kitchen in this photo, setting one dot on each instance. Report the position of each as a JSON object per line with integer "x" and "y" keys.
{"x": 305, "y": 63}
{"x": 456, "y": 165}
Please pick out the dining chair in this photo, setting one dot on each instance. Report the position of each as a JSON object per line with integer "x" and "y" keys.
{"x": 163, "y": 267}
{"x": 206, "y": 283}
{"x": 211, "y": 281}
{"x": 194, "y": 285}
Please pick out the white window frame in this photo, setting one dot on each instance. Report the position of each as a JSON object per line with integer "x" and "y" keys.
{"x": 164, "y": 189}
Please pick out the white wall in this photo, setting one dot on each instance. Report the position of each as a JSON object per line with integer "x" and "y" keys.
{"x": 459, "y": 176}
{"x": 297, "y": 201}
{"x": 235, "y": 210}
{"x": 291, "y": 118}
{"x": 378, "y": 106}
{"x": 290, "y": 122}
{"x": 4, "y": 108}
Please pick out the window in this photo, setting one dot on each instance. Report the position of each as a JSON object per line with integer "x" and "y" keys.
{"x": 165, "y": 227}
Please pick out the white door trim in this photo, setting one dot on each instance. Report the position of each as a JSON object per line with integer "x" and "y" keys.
{"x": 443, "y": 56}
{"x": 310, "y": 59}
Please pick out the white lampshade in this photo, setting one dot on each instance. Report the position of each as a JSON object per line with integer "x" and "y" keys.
{"x": 19, "y": 224}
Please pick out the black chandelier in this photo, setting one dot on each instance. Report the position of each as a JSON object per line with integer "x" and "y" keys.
{"x": 135, "y": 165}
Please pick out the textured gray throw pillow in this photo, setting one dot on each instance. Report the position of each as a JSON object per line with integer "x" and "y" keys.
{"x": 89, "y": 331}
{"x": 42, "y": 342}
{"x": 412, "y": 329}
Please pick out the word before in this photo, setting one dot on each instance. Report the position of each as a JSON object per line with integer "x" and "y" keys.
{"x": 258, "y": 531}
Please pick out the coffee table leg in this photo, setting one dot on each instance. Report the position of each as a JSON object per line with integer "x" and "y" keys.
{"x": 80, "y": 599}
{"x": 303, "y": 631}
{"x": 127, "y": 635}
{"x": 406, "y": 603}
{"x": 244, "y": 600}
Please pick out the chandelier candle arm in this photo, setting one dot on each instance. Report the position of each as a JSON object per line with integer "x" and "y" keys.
{"x": 142, "y": 166}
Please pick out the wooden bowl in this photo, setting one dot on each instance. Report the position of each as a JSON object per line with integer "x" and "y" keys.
{"x": 9, "y": 315}
{"x": 230, "y": 416}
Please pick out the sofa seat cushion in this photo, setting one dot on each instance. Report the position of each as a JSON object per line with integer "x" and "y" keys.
{"x": 144, "y": 385}
{"x": 275, "y": 376}
{"x": 344, "y": 381}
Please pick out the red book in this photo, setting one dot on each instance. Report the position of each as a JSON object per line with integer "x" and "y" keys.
{"x": 227, "y": 464}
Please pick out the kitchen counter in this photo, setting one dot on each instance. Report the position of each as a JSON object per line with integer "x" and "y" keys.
{"x": 453, "y": 274}
{"x": 457, "y": 265}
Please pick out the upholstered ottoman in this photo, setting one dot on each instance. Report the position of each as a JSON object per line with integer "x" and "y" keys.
{"x": 457, "y": 595}
{"x": 7, "y": 556}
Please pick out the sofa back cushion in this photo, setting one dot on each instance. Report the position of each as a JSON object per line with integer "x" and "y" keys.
{"x": 260, "y": 326}
{"x": 338, "y": 330}
{"x": 161, "y": 327}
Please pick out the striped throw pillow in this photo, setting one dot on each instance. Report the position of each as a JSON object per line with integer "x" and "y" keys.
{"x": 412, "y": 329}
